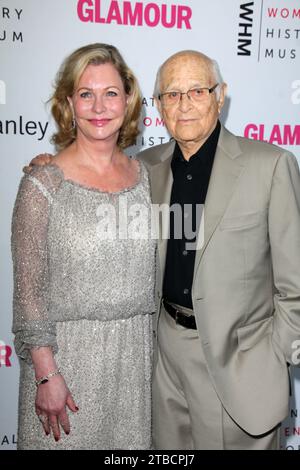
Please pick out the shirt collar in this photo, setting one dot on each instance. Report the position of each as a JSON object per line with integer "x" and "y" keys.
{"x": 204, "y": 155}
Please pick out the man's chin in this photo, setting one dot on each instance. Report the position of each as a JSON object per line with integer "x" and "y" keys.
{"x": 187, "y": 137}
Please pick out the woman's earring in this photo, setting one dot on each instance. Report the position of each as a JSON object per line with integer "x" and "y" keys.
{"x": 73, "y": 123}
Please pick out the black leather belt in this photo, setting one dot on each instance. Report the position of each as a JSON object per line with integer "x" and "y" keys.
{"x": 188, "y": 321}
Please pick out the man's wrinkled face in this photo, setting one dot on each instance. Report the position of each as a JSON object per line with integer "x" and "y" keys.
{"x": 190, "y": 122}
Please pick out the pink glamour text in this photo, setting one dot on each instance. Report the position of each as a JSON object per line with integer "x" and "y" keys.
{"x": 135, "y": 13}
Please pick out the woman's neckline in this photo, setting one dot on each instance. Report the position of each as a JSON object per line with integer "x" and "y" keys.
{"x": 98, "y": 190}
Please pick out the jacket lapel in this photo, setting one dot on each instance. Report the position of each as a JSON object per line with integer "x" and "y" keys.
{"x": 226, "y": 170}
{"x": 161, "y": 186}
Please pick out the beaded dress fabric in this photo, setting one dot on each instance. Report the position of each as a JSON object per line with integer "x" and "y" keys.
{"x": 84, "y": 285}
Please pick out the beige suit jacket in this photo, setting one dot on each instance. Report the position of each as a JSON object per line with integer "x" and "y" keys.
{"x": 246, "y": 287}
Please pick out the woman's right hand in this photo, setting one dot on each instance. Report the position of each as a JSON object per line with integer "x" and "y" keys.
{"x": 52, "y": 398}
{"x": 40, "y": 160}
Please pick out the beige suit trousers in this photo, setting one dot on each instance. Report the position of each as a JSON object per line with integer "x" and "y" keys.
{"x": 187, "y": 413}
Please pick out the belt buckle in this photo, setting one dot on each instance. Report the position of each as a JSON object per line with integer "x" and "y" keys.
{"x": 176, "y": 315}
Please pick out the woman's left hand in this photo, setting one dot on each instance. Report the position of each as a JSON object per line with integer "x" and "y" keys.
{"x": 51, "y": 401}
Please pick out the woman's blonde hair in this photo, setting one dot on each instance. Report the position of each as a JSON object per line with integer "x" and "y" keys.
{"x": 67, "y": 80}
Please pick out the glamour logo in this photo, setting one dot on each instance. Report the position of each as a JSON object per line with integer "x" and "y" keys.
{"x": 135, "y": 14}
{"x": 279, "y": 135}
{"x": 5, "y": 353}
{"x": 245, "y": 29}
{"x": 2, "y": 92}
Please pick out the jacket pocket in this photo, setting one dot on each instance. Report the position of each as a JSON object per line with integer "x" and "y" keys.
{"x": 242, "y": 221}
{"x": 251, "y": 334}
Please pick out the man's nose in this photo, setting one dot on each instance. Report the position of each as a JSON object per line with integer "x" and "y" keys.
{"x": 185, "y": 102}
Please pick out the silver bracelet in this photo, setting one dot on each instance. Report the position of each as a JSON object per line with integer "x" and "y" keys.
{"x": 45, "y": 378}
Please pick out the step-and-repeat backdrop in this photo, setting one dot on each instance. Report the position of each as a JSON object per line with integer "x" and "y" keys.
{"x": 257, "y": 45}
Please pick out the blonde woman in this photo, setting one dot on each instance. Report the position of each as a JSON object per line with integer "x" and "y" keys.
{"x": 83, "y": 301}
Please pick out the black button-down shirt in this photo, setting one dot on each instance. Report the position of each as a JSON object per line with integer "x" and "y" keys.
{"x": 188, "y": 195}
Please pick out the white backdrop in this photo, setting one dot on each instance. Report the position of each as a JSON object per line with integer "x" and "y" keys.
{"x": 257, "y": 45}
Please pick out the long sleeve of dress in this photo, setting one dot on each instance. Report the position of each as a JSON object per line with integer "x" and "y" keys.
{"x": 31, "y": 325}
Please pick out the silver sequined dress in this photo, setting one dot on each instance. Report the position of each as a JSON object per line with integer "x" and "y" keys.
{"x": 89, "y": 294}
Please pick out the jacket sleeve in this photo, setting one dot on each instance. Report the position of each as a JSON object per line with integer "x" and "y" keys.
{"x": 284, "y": 232}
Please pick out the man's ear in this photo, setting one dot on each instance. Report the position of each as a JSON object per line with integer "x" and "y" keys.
{"x": 222, "y": 96}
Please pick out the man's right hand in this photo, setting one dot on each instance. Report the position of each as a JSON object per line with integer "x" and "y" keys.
{"x": 41, "y": 160}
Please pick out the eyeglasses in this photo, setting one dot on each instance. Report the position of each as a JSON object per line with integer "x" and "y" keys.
{"x": 196, "y": 95}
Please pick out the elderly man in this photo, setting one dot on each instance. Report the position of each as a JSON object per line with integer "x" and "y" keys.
{"x": 229, "y": 312}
